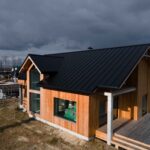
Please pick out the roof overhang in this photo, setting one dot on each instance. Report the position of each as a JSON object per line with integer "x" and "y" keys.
{"x": 28, "y": 61}
{"x": 120, "y": 92}
{"x": 134, "y": 67}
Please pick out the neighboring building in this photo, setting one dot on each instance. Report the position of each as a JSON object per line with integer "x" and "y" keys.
{"x": 80, "y": 92}
{"x": 8, "y": 90}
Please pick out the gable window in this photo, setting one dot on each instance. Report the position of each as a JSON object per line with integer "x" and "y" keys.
{"x": 34, "y": 79}
{"x": 65, "y": 109}
{"x": 35, "y": 103}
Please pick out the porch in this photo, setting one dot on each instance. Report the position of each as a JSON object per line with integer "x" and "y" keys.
{"x": 128, "y": 133}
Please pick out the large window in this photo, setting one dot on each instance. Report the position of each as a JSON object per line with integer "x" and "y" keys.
{"x": 34, "y": 79}
{"x": 65, "y": 109}
{"x": 144, "y": 105}
{"x": 35, "y": 103}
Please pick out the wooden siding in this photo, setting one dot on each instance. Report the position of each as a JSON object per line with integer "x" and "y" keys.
{"x": 94, "y": 113}
{"x": 143, "y": 85}
{"x": 21, "y": 82}
{"x": 130, "y": 104}
{"x": 127, "y": 106}
{"x": 47, "y": 107}
{"x": 88, "y": 106}
{"x": 82, "y": 102}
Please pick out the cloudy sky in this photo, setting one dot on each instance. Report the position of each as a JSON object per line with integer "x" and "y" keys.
{"x": 50, "y": 26}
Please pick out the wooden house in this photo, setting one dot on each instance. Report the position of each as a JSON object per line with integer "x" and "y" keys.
{"x": 103, "y": 93}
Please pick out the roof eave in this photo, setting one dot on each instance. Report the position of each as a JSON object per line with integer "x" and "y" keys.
{"x": 122, "y": 83}
{"x": 26, "y": 59}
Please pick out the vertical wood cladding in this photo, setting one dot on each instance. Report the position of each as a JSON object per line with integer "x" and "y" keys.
{"x": 143, "y": 85}
{"x": 82, "y": 102}
{"x": 127, "y": 106}
{"x": 88, "y": 106}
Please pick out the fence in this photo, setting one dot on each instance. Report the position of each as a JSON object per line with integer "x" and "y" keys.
{"x": 9, "y": 90}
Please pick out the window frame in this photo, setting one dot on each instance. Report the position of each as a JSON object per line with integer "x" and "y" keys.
{"x": 31, "y": 102}
{"x": 31, "y": 86}
{"x": 144, "y": 101}
{"x": 56, "y": 112}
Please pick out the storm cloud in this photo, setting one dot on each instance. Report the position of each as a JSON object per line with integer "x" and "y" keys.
{"x": 49, "y": 26}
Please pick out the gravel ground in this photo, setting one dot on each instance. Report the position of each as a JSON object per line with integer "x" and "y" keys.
{"x": 19, "y": 132}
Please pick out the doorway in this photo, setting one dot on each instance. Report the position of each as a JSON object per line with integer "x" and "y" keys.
{"x": 103, "y": 111}
{"x": 144, "y": 105}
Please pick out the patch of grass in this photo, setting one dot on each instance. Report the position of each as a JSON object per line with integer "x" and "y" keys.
{"x": 15, "y": 124}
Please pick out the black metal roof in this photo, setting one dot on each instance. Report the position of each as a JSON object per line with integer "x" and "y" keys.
{"x": 84, "y": 71}
{"x": 47, "y": 63}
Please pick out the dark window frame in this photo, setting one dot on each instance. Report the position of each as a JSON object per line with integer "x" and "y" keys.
{"x": 34, "y": 75}
{"x": 144, "y": 105}
{"x": 66, "y": 112}
{"x": 34, "y": 102}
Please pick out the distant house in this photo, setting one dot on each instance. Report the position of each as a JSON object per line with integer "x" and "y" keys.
{"x": 103, "y": 93}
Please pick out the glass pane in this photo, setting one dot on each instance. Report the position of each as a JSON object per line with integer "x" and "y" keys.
{"x": 115, "y": 107}
{"x": 65, "y": 109}
{"x": 103, "y": 112}
{"x": 144, "y": 104}
{"x": 35, "y": 102}
{"x": 34, "y": 79}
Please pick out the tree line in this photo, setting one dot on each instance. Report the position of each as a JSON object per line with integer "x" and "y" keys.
{"x": 7, "y": 62}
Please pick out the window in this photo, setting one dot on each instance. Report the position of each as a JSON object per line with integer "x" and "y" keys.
{"x": 115, "y": 107}
{"x": 102, "y": 112}
{"x": 34, "y": 79}
{"x": 65, "y": 109}
{"x": 144, "y": 105}
{"x": 35, "y": 102}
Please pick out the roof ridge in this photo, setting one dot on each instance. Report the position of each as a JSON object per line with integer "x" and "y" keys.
{"x": 98, "y": 49}
{"x": 45, "y": 55}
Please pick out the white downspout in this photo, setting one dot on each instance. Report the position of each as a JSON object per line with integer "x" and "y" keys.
{"x": 109, "y": 117}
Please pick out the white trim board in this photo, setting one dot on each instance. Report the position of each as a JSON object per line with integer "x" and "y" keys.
{"x": 63, "y": 129}
{"x": 29, "y": 58}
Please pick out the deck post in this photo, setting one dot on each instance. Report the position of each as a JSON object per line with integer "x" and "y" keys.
{"x": 109, "y": 117}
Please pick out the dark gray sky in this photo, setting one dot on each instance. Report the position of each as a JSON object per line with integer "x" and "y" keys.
{"x": 49, "y": 26}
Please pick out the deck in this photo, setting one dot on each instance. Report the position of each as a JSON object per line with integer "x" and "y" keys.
{"x": 129, "y": 133}
{"x": 137, "y": 130}
{"x": 117, "y": 124}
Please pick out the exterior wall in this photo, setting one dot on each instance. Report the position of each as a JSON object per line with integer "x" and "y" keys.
{"x": 143, "y": 85}
{"x": 130, "y": 104}
{"x": 94, "y": 119}
{"x": 47, "y": 108}
{"x": 81, "y": 126}
{"x": 23, "y": 84}
{"x": 127, "y": 106}
{"x": 88, "y": 106}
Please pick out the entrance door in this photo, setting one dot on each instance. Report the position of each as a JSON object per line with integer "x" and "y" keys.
{"x": 103, "y": 111}
{"x": 115, "y": 108}
{"x": 144, "y": 105}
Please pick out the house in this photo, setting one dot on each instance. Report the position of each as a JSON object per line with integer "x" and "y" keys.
{"x": 103, "y": 93}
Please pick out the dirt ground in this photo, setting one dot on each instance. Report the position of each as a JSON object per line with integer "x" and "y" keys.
{"x": 19, "y": 132}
